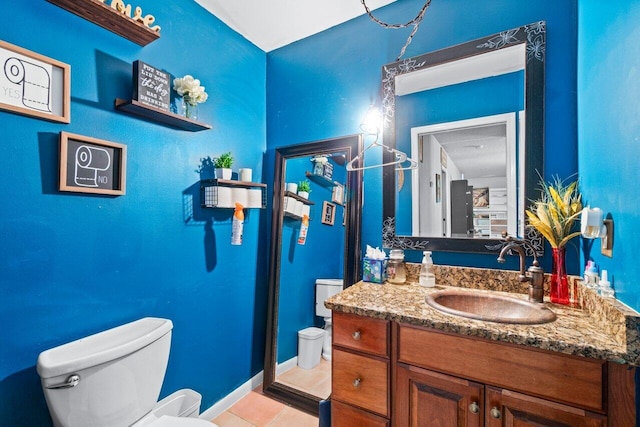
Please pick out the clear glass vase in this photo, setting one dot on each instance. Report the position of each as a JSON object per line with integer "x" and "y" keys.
{"x": 559, "y": 292}
{"x": 190, "y": 108}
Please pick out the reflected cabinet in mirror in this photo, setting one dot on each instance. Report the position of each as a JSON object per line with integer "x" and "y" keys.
{"x": 315, "y": 247}
{"x": 472, "y": 117}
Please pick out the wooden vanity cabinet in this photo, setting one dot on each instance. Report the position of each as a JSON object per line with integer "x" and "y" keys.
{"x": 425, "y": 398}
{"x": 360, "y": 382}
{"x": 450, "y": 380}
{"x": 394, "y": 374}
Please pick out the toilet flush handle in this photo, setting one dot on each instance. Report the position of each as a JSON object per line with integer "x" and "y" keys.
{"x": 71, "y": 381}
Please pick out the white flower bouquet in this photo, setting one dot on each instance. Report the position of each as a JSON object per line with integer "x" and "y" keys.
{"x": 190, "y": 89}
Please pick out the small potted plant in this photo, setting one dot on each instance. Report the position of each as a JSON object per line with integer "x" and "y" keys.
{"x": 304, "y": 188}
{"x": 223, "y": 166}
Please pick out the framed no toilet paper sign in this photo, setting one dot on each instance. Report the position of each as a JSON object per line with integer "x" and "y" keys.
{"x": 34, "y": 85}
{"x": 91, "y": 165}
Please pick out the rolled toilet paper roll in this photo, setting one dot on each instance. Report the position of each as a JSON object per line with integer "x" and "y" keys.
{"x": 245, "y": 174}
{"x": 289, "y": 205}
{"x": 240, "y": 195}
{"x": 255, "y": 198}
{"x": 291, "y": 187}
{"x": 215, "y": 196}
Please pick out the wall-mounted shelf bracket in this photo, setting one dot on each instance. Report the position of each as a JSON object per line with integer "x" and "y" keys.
{"x": 160, "y": 116}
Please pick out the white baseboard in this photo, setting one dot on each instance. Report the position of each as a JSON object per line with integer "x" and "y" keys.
{"x": 232, "y": 398}
{"x": 285, "y": 366}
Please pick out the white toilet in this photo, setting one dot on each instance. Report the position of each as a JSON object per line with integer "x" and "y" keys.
{"x": 114, "y": 378}
{"x": 326, "y": 288}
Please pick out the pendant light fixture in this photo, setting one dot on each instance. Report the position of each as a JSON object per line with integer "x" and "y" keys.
{"x": 415, "y": 22}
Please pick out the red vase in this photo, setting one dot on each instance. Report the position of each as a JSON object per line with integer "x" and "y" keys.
{"x": 559, "y": 291}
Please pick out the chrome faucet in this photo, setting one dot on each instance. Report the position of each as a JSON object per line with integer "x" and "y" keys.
{"x": 534, "y": 275}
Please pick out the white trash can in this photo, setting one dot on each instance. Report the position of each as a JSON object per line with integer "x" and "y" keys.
{"x": 310, "y": 347}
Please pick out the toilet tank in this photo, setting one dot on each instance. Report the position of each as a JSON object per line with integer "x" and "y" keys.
{"x": 326, "y": 288}
{"x": 120, "y": 372}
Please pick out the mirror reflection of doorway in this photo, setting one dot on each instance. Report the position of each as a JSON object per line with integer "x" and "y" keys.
{"x": 479, "y": 153}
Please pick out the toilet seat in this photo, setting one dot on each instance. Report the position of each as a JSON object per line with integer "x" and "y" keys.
{"x": 167, "y": 421}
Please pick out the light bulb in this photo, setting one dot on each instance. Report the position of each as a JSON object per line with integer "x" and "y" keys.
{"x": 372, "y": 121}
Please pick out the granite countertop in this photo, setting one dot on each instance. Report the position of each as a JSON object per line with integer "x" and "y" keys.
{"x": 597, "y": 328}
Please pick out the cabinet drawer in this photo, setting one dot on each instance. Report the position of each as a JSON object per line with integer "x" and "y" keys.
{"x": 347, "y": 416}
{"x": 361, "y": 381}
{"x": 572, "y": 380}
{"x": 361, "y": 333}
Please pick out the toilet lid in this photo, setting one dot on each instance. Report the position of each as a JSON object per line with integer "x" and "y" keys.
{"x": 167, "y": 421}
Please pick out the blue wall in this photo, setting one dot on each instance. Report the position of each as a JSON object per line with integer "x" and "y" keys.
{"x": 72, "y": 264}
{"x": 609, "y": 131}
{"x": 322, "y": 86}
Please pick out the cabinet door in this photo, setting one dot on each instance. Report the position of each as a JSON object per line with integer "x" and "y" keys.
{"x": 506, "y": 408}
{"x": 426, "y": 398}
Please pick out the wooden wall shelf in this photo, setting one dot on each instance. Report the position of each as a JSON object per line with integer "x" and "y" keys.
{"x": 160, "y": 116}
{"x": 295, "y": 196}
{"x": 213, "y": 196}
{"x": 102, "y": 14}
{"x": 321, "y": 180}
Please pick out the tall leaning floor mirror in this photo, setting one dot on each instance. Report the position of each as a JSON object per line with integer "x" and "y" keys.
{"x": 314, "y": 236}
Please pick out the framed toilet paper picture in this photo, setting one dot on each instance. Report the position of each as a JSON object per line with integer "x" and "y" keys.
{"x": 91, "y": 165}
{"x": 337, "y": 194}
{"x": 34, "y": 85}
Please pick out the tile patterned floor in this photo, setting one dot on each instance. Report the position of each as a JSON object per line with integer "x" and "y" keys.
{"x": 258, "y": 410}
{"x": 316, "y": 381}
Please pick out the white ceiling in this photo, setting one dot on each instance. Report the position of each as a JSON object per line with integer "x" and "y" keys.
{"x": 270, "y": 24}
{"x": 478, "y": 152}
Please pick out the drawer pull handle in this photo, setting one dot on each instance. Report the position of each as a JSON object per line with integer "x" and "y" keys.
{"x": 356, "y": 335}
{"x": 495, "y": 413}
{"x": 474, "y": 408}
{"x": 356, "y": 382}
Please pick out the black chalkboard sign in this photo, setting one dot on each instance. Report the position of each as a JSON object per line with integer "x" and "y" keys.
{"x": 91, "y": 165}
{"x": 151, "y": 86}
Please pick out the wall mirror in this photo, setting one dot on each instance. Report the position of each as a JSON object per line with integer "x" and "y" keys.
{"x": 472, "y": 116}
{"x": 330, "y": 249}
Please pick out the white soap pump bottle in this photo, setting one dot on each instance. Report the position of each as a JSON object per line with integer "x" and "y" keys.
{"x": 427, "y": 277}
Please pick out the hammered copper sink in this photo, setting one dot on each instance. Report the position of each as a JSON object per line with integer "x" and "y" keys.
{"x": 490, "y": 307}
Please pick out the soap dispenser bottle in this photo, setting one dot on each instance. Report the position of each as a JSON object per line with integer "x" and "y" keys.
{"x": 427, "y": 278}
